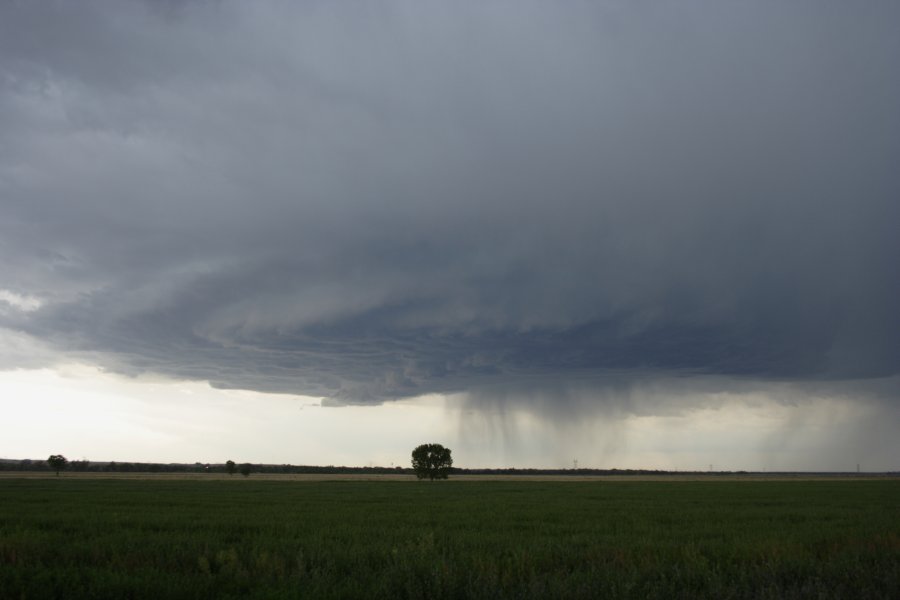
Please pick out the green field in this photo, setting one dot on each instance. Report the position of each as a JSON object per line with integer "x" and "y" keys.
{"x": 77, "y": 538}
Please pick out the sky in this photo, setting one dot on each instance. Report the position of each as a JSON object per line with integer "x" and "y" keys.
{"x": 631, "y": 235}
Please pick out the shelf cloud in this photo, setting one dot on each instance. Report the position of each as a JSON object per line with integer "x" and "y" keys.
{"x": 510, "y": 200}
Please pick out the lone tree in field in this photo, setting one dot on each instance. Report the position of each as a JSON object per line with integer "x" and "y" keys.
{"x": 246, "y": 469}
{"x": 57, "y": 462}
{"x": 230, "y": 467}
{"x": 432, "y": 461}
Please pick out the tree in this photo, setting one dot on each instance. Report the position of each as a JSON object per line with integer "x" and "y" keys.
{"x": 246, "y": 469}
{"x": 432, "y": 461}
{"x": 57, "y": 462}
{"x": 230, "y": 467}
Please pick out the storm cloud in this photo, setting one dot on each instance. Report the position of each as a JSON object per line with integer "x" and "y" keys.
{"x": 370, "y": 202}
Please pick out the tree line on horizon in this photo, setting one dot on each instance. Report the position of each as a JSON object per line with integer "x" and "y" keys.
{"x": 87, "y": 466}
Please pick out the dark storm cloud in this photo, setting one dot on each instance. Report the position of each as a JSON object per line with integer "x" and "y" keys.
{"x": 372, "y": 202}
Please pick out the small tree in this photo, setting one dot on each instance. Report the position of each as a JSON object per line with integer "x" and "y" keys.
{"x": 246, "y": 469}
{"x": 57, "y": 462}
{"x": 432, "y": 461}
{"x": 230, "y": 467}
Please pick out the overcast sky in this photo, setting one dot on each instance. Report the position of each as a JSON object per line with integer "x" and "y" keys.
{"x": 647, "y": 234}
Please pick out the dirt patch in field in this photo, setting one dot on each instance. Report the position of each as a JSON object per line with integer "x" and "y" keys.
{"x": 403, "y": 477}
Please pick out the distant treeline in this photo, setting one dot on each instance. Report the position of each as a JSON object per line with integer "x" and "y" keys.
{"x": 83, "y": 466}
{"x": 135, "y": 467}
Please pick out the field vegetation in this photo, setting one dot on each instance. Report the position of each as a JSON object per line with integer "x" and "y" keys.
{"x": 75, "y": 537}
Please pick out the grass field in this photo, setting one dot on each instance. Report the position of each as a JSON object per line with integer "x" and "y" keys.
{"x": 71, "y": 537}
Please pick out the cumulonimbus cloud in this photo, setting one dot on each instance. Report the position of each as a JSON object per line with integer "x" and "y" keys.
{"x": 367, "y": 205}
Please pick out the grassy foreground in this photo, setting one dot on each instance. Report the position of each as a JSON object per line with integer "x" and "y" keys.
{"x": 77, "y": 538}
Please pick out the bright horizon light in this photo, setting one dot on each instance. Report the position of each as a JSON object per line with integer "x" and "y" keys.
{"x": 84, "y": 413}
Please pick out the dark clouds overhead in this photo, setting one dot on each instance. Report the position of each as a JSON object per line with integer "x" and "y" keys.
{"x": 369, "y": 202}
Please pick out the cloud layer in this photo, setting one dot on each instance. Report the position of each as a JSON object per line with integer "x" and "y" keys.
{"x": 366, "y": 203}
